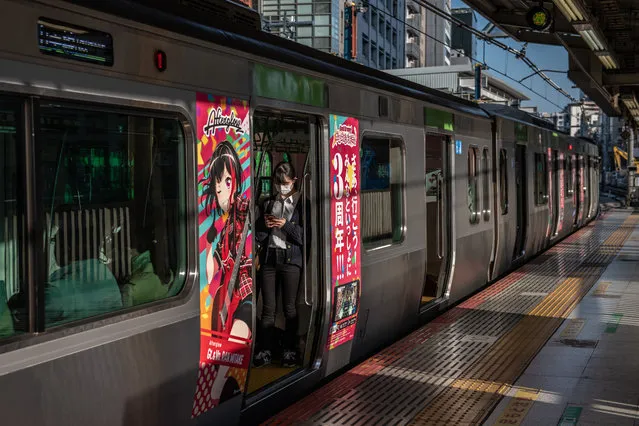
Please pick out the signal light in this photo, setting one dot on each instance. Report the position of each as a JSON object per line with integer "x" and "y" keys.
{"x": 160, "y": 60}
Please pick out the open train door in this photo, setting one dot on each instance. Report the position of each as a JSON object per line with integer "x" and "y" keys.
{"x": 522, "y": 202}
{"x": 437, "y": 190}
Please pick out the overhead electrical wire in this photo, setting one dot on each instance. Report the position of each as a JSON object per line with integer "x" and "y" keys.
{"x": 479, "y": 34}
{"x": 484, "y": 65}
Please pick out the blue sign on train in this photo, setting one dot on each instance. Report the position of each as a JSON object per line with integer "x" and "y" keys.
{"x": 458, "y": 147}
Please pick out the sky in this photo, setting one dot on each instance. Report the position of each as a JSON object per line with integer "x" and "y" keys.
{"x": 545, "y": 57}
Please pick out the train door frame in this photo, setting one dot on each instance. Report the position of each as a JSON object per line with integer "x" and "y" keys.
{"x": 521, "y": 195}
{"x": 444, "y": 222}
{"x": 555, "y": 155}
{"x": 576, "y": 188}
{"x": 318, "y": 322}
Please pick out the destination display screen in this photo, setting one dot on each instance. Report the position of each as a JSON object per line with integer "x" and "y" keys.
{"x": 74, "y": 42}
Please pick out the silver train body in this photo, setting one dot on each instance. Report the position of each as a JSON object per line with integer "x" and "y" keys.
{"x": 486, "y": 216}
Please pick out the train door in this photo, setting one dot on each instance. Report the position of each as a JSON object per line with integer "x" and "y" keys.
{"x": 287, "y": 271}
{"x": 586, "y": 185}
{"x": 579, "y": 188}
{"x": 555, "y": 192}
{"x": 522, "y": 202}
{"x": 437, "y": 237}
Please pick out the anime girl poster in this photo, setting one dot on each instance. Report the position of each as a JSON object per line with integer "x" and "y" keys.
{"x": 225, "y": 261}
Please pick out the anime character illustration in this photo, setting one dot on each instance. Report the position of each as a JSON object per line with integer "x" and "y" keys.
{"x": 226, "y": 306}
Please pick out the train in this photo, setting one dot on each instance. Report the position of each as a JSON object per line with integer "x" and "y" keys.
{"x": 140, "y": 140}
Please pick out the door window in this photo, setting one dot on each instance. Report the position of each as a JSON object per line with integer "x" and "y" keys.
{"x": 503, "y": 180}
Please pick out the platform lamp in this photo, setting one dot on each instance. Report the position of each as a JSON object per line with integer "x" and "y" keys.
{"x": 573, "y": 10}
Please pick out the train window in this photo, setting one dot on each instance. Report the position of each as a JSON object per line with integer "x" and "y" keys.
{"x": 12, "y": 289}
{"x": 264, "y": 164}
{"x": 541, "y": 179}
{"x": 485, "y": 176}
{"x": 568, "y": 176}
{"x": 111, "y": 184}
{"x": 382, "y": 175}
{"x": 473, "y": 196}
{"x": 503, "y": 180}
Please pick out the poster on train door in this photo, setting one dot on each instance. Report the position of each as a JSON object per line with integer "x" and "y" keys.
{"x": 225, "y": 252}
{"x": 345, "y": 228}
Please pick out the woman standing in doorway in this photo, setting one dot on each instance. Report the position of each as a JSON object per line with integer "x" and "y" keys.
{"x": 280, "y": 238}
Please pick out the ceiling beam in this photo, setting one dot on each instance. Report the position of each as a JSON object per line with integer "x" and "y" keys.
{"x": 621, "y": 79}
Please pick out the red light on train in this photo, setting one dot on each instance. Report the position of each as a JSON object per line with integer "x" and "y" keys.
{"x": 160, "y": 60}
{"x": 570, "y": 147}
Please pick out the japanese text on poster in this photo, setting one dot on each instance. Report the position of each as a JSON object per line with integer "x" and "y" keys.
{"x": 345, "y": 228}
{"x": 224, "y": 190}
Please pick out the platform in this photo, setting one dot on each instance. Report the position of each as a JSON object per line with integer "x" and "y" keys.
{"x": 552, "y": 343}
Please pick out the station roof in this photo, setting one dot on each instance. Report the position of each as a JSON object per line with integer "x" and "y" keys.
{"x": 601, "y": 37}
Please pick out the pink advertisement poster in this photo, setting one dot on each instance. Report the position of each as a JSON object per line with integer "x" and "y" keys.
{"x": 345, "y": 228}
{"x": 225, "y": 261}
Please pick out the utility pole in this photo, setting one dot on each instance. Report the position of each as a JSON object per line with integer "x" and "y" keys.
{"x": 351, "y": 10}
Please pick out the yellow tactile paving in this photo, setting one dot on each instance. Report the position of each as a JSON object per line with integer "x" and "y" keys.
{"x": 470, "y": 399}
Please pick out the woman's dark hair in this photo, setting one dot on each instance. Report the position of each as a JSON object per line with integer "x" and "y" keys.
{"x": 283, "y": 170}
{"x": 223, "y": 158}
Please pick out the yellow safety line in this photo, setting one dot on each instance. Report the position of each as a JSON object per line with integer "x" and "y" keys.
{"x": 469, "y": 400}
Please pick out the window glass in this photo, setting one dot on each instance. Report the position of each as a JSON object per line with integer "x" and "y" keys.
{"x": 304, "y": 31}
{"x": 264, "y": 164}
{"x": 382, "y": 191}
{"x": 321, "y": 7}
{"x": 13, "y": 293}
{"x": 473, "y": 196}
{"x": 485, "y": 176}
{"x": 322, "y": 43}
{"x": 568, "y": 176}
{"x": 111, "y": 188}
{"x": 322, "y": 31}
{"x": 322, "y": 20}
{"x": 503, "y": 180}
{"x": 306, "y": 9}
{"x": 541, "y": 179}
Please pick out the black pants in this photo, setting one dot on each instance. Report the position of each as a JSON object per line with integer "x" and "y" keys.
{"x": 277, "y": 273}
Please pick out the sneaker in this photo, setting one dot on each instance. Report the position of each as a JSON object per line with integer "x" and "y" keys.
{"x": 289, "y": 359}
{"x": 262, "y": 358}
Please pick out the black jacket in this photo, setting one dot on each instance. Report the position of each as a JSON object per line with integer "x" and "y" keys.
{"x": 293, "y": 230}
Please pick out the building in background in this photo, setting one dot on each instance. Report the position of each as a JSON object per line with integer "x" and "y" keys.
{"x": 428, "y": 35}
{"x": 459, "y": 80}
{"x": 464, "y": 43}
{"x": 381, "y": 34}
{"x": 319, "y": 24}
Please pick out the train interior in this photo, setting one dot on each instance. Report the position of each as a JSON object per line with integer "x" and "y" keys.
{"x": 280, "y": 137}
{"x": 435, "y": 217}
{"x": 9, "y": 260}
{"x": 110, "y": 196}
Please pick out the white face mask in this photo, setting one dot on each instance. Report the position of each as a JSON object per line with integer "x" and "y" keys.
{"x": 286, "y": 189}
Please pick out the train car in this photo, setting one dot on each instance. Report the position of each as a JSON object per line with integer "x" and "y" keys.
{"x": 547, "y": 186}
{"x": 141, "y": 144}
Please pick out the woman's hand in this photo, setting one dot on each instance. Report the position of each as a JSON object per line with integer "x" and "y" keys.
{"x": 273, "y": 222}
